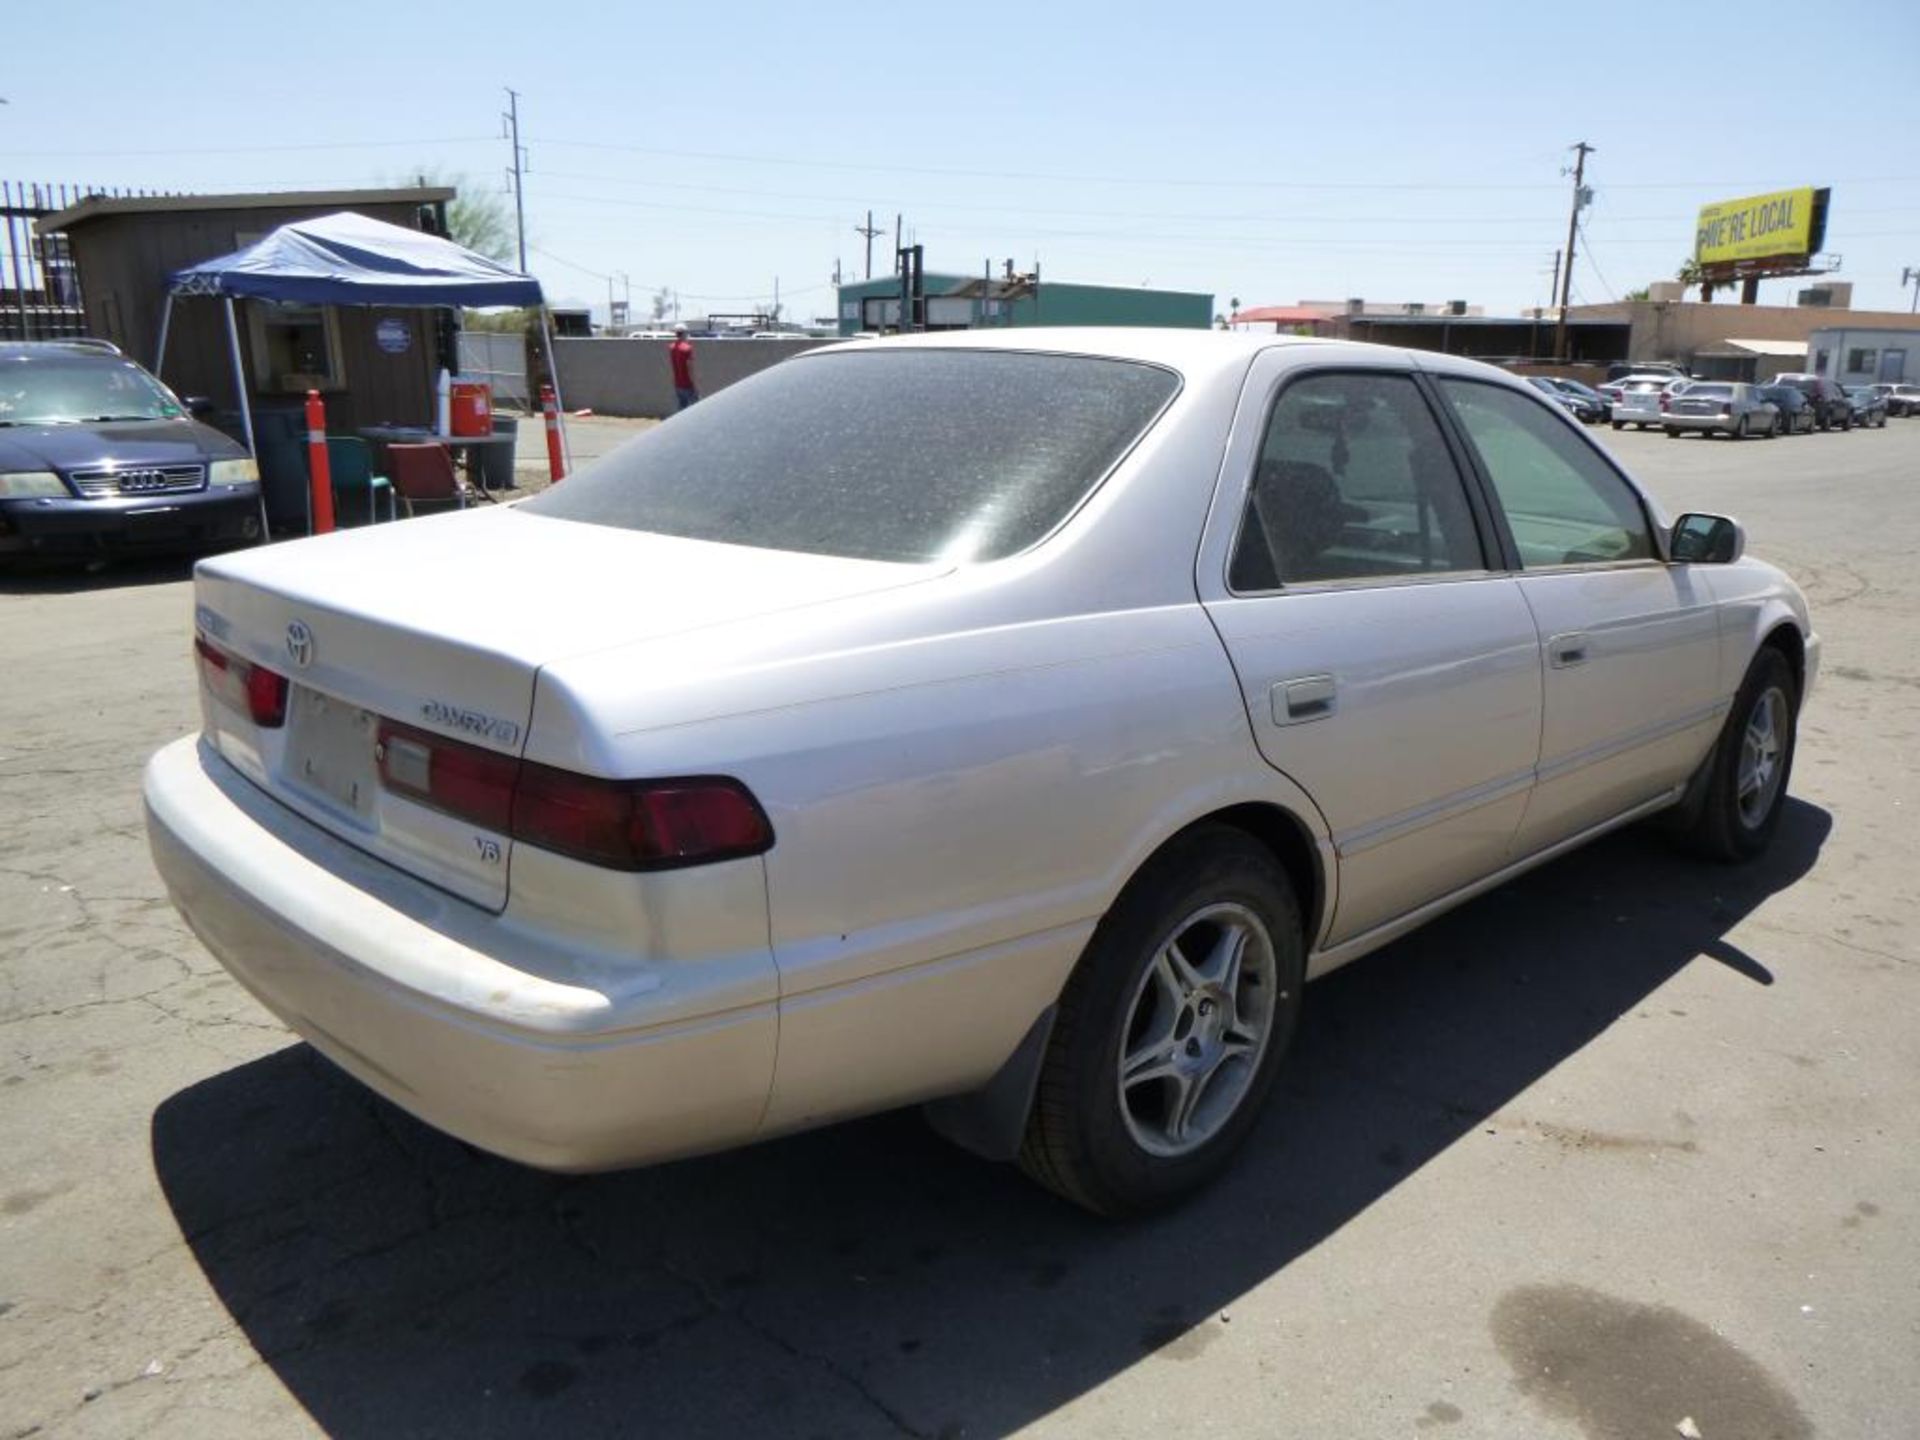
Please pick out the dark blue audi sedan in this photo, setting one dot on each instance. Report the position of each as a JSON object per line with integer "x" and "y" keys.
{"x": 97, "y": 456}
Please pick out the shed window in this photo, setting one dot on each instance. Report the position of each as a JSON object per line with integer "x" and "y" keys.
{"x": 295, "y": 347}
{"x": 1860, "y": 362}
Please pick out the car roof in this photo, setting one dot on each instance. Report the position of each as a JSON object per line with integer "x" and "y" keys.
{"x": 1192, "y": 352}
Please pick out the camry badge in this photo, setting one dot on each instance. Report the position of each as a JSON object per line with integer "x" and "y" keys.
{"x": 300, "y": 644}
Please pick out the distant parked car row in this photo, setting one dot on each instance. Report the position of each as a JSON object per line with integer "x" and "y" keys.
{"x": 1663, "y": 397}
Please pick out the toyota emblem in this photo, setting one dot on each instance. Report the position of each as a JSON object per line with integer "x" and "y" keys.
{"x": 300, "y": 644}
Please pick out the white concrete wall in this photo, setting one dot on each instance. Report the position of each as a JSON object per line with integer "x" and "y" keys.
{"x": 632, "y": 377}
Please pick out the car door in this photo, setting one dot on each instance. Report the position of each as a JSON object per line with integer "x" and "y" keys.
{"x": 1629, "y": 645}
{"x": 1388, "y": 669}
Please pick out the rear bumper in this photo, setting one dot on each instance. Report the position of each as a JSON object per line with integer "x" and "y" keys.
{"x": 1724, "y": 423}
{"x": 228, "y": 515}
{"x": 452, "y": 1014}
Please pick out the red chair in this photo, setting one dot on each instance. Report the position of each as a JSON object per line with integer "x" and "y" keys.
{"x": 424, "y": 475}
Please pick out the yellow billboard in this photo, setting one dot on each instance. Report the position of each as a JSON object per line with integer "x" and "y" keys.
{"x": 1756, "y": 228}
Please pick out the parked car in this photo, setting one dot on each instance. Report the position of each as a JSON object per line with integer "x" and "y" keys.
{"x": 98, "y": 456}
{"x": 1588, "y": 411}
{"x": 1795, "y": 409}
{"x": 1625, "y": 369}
{"x": 1830, "y": 404}
{"x": 1586, "y": 392}
{"x": 1903, "y": 399}
{"x": 1642, "y": 400}
{"x": 1869, "y": 406}
{"x": 1032, "y": 779}
{"x": 1724, "y": 407}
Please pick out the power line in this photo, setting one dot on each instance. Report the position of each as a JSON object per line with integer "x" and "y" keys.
{"x": 1594, "y": 265}
{"x": 1135, "y": 180}
{"x": 273, "y": 149}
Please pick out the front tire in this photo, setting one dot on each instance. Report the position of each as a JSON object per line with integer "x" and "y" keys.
{"x": 1751, "y": 763}
{"x": 1171, "y": 1031}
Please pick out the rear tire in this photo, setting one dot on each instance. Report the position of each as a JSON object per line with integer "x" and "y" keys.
{"x": 1750, "y": 765}
{"x": 1168, "y": 1039}
{"x": 1672, "y": 434}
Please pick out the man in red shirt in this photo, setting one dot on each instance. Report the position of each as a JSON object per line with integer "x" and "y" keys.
{"x": 680, "y": 353}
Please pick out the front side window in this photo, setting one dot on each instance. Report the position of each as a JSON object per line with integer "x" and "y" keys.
{"x": 1564, "y": 504}
{"x": 914, "y": 456}
{"x": 1354, "y": 481}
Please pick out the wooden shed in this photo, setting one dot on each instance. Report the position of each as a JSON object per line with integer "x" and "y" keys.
{"x": 374, "y": 364}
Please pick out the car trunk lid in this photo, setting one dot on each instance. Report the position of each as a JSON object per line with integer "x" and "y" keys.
{"x": 442, "y": 625}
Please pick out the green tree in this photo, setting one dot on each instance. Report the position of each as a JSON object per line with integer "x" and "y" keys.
{"x": 478, "y": 218}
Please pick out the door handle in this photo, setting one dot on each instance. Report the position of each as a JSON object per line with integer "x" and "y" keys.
{"x": 1567, "y": 650}
{"x": 1309, "y": 697}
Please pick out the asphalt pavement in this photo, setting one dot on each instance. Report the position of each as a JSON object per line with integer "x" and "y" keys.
{"x": 1626, "y": 1148}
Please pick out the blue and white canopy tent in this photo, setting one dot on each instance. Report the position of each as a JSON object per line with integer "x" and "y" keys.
{"x": 350, "y": 259}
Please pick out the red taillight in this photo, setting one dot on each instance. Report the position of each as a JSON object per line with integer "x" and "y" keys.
{"x": 253, "y": 690}
{"x": 619, "y": 824}
{"x": 638, "y": 824}
{"x": 1665, "y": 401}
{"x": 1726, "y": 412}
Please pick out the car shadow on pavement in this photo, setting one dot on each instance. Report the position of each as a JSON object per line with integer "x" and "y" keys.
{"x": 34, "y": 576}
{"x": 868, "y": 1279}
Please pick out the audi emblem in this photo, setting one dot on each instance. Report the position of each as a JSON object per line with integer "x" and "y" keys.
{"x": 300, "y": 644}
{"x": 137, "y": 482}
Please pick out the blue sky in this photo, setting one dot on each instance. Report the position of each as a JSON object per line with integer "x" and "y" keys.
{"x": 1271, "y": 152}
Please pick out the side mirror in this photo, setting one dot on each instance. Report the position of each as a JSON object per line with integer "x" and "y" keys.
{"x": 1706, "y": 540}
{"x": 197, "y": 405}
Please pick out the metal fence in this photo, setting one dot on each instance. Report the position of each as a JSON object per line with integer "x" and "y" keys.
{"x": 499, "y": 358}
{"x": 39, "y": 285}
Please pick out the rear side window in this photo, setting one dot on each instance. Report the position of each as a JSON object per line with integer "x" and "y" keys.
{"x": 1564, "y": 504}
{"x": 1354, "y": 481}
{"x": 901, "y": 455}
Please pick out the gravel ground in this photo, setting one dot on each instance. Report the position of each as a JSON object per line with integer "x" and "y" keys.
{"x": 1627, "y": 1144}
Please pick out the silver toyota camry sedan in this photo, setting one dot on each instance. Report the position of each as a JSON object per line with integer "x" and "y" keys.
{"x": 1009, "y": 723}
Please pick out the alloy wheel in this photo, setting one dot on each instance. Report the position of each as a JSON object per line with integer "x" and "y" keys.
{"x": 1757, "y": 783}
{"x": 1196, "y": 1029}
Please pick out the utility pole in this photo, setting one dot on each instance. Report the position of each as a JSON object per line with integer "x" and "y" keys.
{"x": 1910, "y": 275}
{"x": 1580, "y": 197}
{"x": 869, "y": 231}
{"x": 511, "y": 122}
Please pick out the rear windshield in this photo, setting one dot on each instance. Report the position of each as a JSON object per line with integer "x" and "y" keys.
{"x": 901, "y": 455}
{"x": 1713, "y": 392}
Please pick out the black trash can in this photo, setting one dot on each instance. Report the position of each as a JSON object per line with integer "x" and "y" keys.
{"x": 496, "y": 461}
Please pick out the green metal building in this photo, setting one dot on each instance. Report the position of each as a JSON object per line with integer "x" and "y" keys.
{"x": 973, "y": 302}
